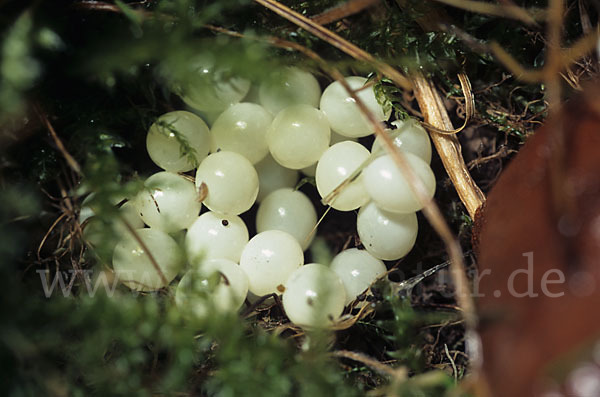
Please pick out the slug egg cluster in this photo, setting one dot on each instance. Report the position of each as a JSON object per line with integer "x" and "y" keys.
{"x": 253, "y": 152}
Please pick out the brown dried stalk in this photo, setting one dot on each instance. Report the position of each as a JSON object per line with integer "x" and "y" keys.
{"x": 61, "y": 147}
{"x": 507, "y": 11}
{"x": 342, "y": 11}
{"x": 447, "y": 146}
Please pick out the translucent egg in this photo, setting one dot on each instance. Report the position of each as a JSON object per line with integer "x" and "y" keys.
{"x": 314, "y": 296}
{"x": 132, "y": 264}
{"x": 104, "y": 234}
{"x": 268, "y": 260}
{"x": 388, "y": 187}
{"x": 89, "y": 207}
{"x": 298, "y": 136}
{"x": 337, "y": 164}
{"x": 128, "y": 213}
{"x": 169, "y": 202}
{"x": 231, "y": 180}
{"x": 386, "y": 235}
{"x": 290, "y": 211}
{"x": 242, "y": 129}
{"x": 408, "y": 136}
{"x": 214, "y": 236}
{"x": 218, "y": 284}
{"x": 212, "y": 89}
{"x": 86, "y": 211}
{"x": 311, "y": 170}
{"x": 252, "y": 95}
{"x": 289, "y": 86}
{"x": 171, "y": 137}
{"x": 208, "y": 117}
{"x": 358, "y": 270}
{"x": 337, "y": 138}
{"x": 342, "y": 112}
{"x": 100, "y": 236}
{"x": 273, "y": 176}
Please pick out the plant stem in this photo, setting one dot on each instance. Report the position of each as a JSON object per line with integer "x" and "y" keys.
{"x": 446, "y": 145}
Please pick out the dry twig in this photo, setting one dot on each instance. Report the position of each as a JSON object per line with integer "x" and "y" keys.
{"x": 343, "y": 10}
{"x": 61, "y": 147}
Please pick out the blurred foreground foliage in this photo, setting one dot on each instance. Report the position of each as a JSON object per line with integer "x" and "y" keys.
{"x": 101, "y": 76}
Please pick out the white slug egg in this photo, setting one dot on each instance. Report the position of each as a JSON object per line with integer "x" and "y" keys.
{"x": 290, "y": 211}
{"x": 231, "y": 180}
{"x": 358, "y": 270}
{"x": 168, "y": 202}
{"x": 273, "y": 176}
{"x": 268, "y": 260}
{"x": 386, "y": 235}
{"x": 389, "y": 188}
{"x": 314, "y": 296}
{"x": 212, "y": 89}
{"x": 408, "y": 136}
{"x": 336, "y": 165}
{"x": 216, "y": 285}
{"x": 241, "y": 128}
{"x": 311, "y": 170}
{"x": 298, "y": 136}
{"x": 132, "y": 263}
{"x": 216, "y": 236}
{"x": 168, "y": 136}
{"x": 287, "y": 87}
{"x": 343, "y": 113}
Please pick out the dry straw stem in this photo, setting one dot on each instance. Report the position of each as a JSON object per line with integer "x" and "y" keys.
{"x": 61, "y": 147}
{"x": 342, "y": 11}
{"x": 465, "y": 85}
{"x": 447, "y": 146}
{"x": 430, "y": 209}
{"x": 507, "y": 11}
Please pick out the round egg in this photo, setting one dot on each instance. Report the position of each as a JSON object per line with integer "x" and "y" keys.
{"x": 290, "y": 211}
{"x": 178, "y": 141}
{"x": 231, "y": 182}
{"x": 241, "y": 128}
{"x": 168, "y": 202}
{"x": 344, "y": 115}
{"x": 268, "y": 260}
{"x": 386, "y": 235}
{"x": 298, "y": 136}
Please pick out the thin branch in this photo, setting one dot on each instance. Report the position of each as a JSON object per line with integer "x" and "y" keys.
{"x": 454, "y": 370}
{"x": 70, "y": 160}
{"x": 43, "y": 242}
{"x": 507, "y": 11}
{"x": 343, "y": 10}
{"x": 447, "y": 146}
